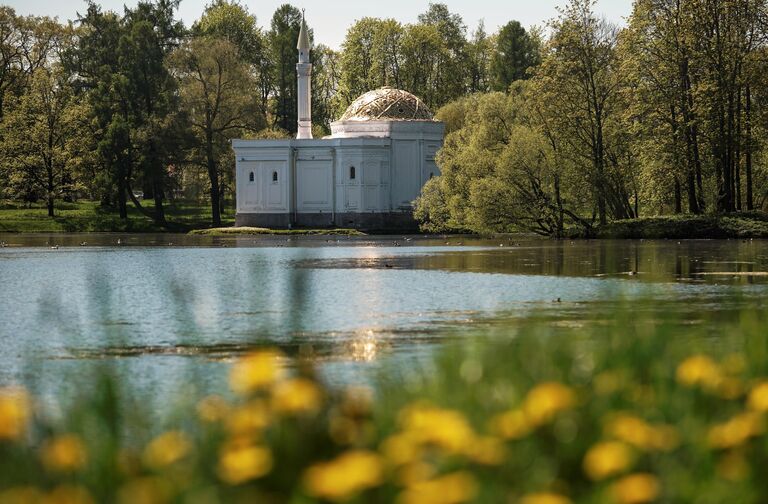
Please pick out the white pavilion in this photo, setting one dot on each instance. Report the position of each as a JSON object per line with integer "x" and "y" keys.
{"x": 365, "y": 175}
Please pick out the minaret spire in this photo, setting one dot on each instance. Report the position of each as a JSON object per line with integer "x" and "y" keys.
{"x": 304, "y": 90}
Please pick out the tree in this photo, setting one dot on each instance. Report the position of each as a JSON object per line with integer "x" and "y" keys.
{"x": 479, "y": 56}
{"x": 216, "y": 90}
{"x": 501, "y": 173}
{"x": 516, "y": 52}
{"x": 578, "y": 87}
{"x": 232, "y": 21}
{"x": 41, "y": 139}
{"x": 283, "y": 35}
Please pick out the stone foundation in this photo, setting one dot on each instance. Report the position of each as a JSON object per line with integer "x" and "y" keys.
{"x": 394, "y": 221}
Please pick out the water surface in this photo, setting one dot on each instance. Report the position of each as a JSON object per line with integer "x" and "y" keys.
{"x": 164, "y": 311}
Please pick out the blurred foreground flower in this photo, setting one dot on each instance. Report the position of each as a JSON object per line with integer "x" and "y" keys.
{"x": 240, "y": 462}
{"x": 166, "y": 449}
{"x": 298, "y": 395}
{"x": 607, "y": 459}
{"x": 736, "y": 431}
{"x": 453, "y": 488}
{"x": 255, "y": 371}
{"x": 699, "y": 370}
{"x": 65, "y": 453}
{"x": 636, "y": 489}
{"x": 544, "y": 401}
{"x": 346, "y": 476}
{"x": 14, "y": 413}
{"x": 544, "y": 498}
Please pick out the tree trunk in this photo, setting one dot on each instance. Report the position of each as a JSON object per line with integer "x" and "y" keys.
{"x": 213, "y": 176}
{"x": 50, "y": 190}
{"x": 678, "y": 197}
{"x": 748, "y": 118}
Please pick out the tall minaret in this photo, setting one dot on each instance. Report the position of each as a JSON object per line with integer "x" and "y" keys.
{"x": 304, "y": 70}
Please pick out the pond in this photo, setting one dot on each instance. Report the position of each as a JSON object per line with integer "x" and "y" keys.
{"x": 164, "y": 312}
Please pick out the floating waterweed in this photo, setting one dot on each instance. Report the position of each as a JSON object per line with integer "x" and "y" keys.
{"x": 636, "y": 489}
{"x": 296, "y": 396}
{"x": 453, "y": 488}
{"x": 345, "y": 476}
{"x": 166, "y": 449}
{"x": 14, "y": 413}
{"x": 65, "y": 453}
{"x": 256, "y": 371}
{"x": 607, "y": 459}
{"x": 240, "y": 463}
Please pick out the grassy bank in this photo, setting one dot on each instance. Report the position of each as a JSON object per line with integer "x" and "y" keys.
{"x": 632, "y": 411}
{"x": 685, "y": 227}
{"x": 89, "y": 216}
{"x": 229, "y": 231}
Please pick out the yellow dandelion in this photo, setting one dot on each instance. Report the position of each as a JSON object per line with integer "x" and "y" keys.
{"x": 546, "y": 400}
{"x": 65, "y": 453}
{"x": 14, "y": 413}
{"x": 443, "y": 428}
{"x": 240, "y": 463}
{"x": 69, "y": 494}
{"x": 248, "y": 420}
{"x": 636, "y": 489}
{"x": 213, "y": 409}
{"x": 346, "y": 476}
{"x": 758, "y": 397}
{"x": 296, "y": 396}
{"x": 166, "y": 449}
{"x": 454, "y": 488}
{"x": 487, "y": 451}
{"x": 415, "y": 472}
{"x": 401, "y": 449}
{"x": 544, "y": 498}
{"x": 511, "y": 425}
{"x": 147, "y": 490}
{"x": 699, "y": 370}
{"x": 607, "y": 459}
{"x": 640, "y": 434}
{"x": 256, "y": 371}
{"x": 736, "y": 431}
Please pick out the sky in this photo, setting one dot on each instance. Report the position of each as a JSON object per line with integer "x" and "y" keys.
{"x": 331, "y": 18}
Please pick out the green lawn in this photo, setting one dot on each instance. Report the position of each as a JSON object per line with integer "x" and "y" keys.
{"x": 89, "y": 216}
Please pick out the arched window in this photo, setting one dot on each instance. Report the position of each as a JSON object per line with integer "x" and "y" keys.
{"x": 251, "y": 177}
{"x": 274, "y": 176}
{"x": 351, "y": 173}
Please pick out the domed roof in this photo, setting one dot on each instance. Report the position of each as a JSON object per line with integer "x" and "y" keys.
{"x": 387, "y": 104}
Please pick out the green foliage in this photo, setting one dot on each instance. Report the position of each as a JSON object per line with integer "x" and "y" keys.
{"x": 631, "y": 409}
{"x": 516, "y": 53}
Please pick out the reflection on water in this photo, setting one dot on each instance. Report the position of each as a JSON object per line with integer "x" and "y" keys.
{"x": 159, "y": 315}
